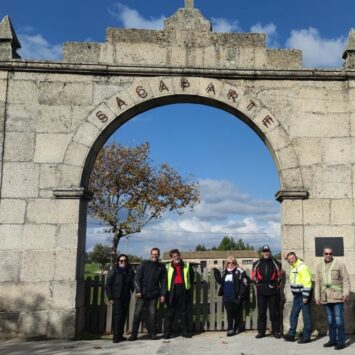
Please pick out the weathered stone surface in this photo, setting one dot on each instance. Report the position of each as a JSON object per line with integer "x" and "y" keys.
{"x": 12, "y": 211}
{"x": 20, "y": 180}
{"x": 49, "y": 176}
{"x": 38, "y": 265}
{"x": 11, "y": 236}
{"x": 316, "y": 211}
{"x": 308, "y": 150}
{"x": 52, "y": 211}
{"x": 50, "y": 147}
{"x": 19, "y": 146}
{"x": 64, "y": 293}
{"x": 56, "y": 119}
{"x": 57, "y": 93}
{"x": 65, "y": 264}
{"x": 21, "y": 117}
{"x": 33, "y": 323}
{"x": 32, "y": 296}
{"x": 333, "y": 182}
{"x": 291, "y": 212}
{"x": 342, "y": 212}
{"x": 22, "y": 92}
{"x": 337, "y": 151}
{"x": 67, "y": 236}
{"x": 10, "y": 265}
{"x": 38, "y": 237}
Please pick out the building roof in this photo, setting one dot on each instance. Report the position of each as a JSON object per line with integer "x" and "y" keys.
{"x": 215, "y": 254}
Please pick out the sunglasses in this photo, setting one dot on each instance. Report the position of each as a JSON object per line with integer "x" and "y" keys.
{"x": 122, "y": 261}
{"x": 328, "y": 253}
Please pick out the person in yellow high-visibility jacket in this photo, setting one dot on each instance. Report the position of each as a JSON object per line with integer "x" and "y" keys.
{"x": 301, "y": 287}
{"x": 180, "y": 277}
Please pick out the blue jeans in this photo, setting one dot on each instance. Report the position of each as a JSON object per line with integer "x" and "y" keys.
{"x": 335, "y": 317}
{"x": 297, "y": 306}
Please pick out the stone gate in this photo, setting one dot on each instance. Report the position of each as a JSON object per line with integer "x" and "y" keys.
{"x": 56, "y": 116}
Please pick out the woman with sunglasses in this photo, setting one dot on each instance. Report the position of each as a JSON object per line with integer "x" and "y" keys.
{"x": 234, "y": 284}
{"x": 119, "y": 286}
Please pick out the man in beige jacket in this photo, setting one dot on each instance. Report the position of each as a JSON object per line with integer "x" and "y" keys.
{"x": 332, "y": 290}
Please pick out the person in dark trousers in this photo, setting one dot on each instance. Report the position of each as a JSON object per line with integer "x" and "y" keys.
{"x": 234, "y": 284}
{"x": 150, "y": 286}
{"x": 180, "y": 278}
{"x": 119, "y": 286}
{"x": 266, "y": 275}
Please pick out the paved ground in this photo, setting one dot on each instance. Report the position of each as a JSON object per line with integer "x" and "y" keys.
{"x": 215, "y": 343}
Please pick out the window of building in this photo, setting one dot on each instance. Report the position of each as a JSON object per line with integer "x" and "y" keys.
{"x": 203, "y": 264}
{"x": 247, "y": 261}
{"x": 215, "y": 262}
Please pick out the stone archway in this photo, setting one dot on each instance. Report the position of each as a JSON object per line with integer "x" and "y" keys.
{"x": 55, "y": 117}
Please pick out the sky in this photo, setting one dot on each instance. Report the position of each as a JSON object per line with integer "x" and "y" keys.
{"x": 236, "y": 173}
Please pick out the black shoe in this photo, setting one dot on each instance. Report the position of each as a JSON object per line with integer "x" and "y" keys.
{"x": 288, "y": 337}
{"x": 339, "y": 347}
{"x": 167, "y": 336}
{"x": 132, "y": 338}
{"x": 115, "y": 340}
{"x": 304, "y": 341}
{"x": 329, "y": 344}
{"x": 186, "y": 335}
{"x": 230, "y": 333}
{"x": 260, "y": 335}
{"x": 153, "y": 336}
{"x": 276, "y": 335}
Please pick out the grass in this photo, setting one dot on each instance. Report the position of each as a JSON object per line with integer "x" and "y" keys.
{"x": 91, "y": 270}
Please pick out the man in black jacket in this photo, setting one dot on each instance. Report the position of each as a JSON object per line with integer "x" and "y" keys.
{"x": 180, "y": 279}
{"x": 150, "y": 285}
{"x": 266, "y": 275}
{"x": 119, "y": 286}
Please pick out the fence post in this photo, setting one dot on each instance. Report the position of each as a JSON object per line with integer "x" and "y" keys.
{"x": 198, "y": 301}
{"x": 205, "y": 301}
{"x": 212, "y": 302}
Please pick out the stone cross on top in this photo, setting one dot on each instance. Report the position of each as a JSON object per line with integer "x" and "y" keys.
{"x": 189, "y": 4}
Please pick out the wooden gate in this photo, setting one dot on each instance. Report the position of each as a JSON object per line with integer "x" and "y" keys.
{"x": 207, "y": 311}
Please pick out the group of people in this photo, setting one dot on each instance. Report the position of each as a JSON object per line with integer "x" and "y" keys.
{"x": 331, "y": 290}
{"x": 171, "y": 284}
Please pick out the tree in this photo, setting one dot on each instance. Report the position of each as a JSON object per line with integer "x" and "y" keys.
{"x": 101, "y": 254}
{"x": 227, "y": 243}
{"x": 200, "y": 247}
{"x": 129, "y": 191}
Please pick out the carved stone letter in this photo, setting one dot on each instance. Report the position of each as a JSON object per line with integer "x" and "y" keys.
{"x": 101, "y": 116}
{"x": 232, "y": 95}
{"x": 210, "y": 88}
{"x": 184, "y": 84}
{"x": 267, "y": 121}
{"x": 251, "y": 105}
{"x": 141, "y": 92}
{"x": 162, "y": 86}
{"x": 120, "y": 103}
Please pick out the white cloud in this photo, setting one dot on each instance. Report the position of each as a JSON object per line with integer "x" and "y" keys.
{"x": 317, "y": 51}
{"x": 131, "y": 18}
{"x": 224, "y": 209}
{"x": 270, "y": 30}
{"x": 35, "y": 46}
{"x": 225, "y": 25}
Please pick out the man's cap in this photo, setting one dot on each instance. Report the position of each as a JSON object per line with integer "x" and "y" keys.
{"x": 265, "y": 248}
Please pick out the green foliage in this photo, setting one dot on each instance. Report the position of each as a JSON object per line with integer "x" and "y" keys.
{"x": 129, "y": 190}
{"x": 101, "y": 254}
{"x": 227, "y": 243}
{"x": 201, "y": 247}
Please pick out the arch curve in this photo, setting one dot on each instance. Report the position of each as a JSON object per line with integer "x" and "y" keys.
{"x": 148, "y": 93}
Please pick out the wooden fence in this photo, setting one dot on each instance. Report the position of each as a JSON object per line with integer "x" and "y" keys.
{"x": 206, "y": 312}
